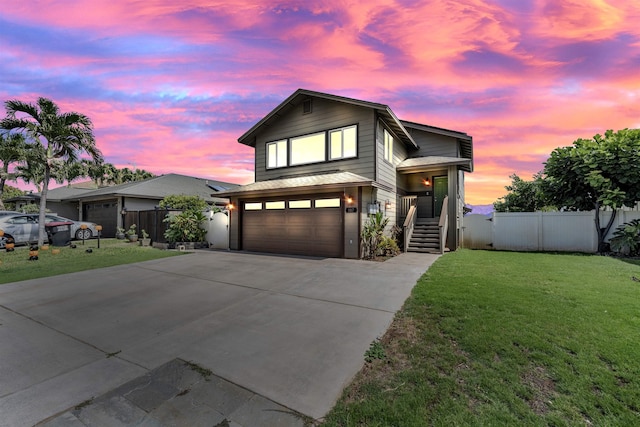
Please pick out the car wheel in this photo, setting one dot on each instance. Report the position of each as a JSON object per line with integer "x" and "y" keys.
{"x": 83, "y": 234}
{"x": 5, "y": 239}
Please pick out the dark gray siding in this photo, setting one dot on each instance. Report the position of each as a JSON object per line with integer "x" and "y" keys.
{"x": 432, "y": 144}
{"x": 387, "y": 171}
{"x": 325, "y": 115}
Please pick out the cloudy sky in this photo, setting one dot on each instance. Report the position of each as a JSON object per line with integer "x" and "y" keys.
{"x": 170, "y": 85}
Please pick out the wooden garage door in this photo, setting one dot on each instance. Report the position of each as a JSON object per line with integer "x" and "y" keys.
{"x": 104, "y": 213}
{"x": 310, "y": 226}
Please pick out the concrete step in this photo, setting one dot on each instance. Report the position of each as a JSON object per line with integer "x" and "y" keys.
{"x": 424, "y": 250}
{"x": 435, "y": 242}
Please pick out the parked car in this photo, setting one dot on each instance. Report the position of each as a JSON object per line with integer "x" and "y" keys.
{"x": 18, "y": 228}
{"x": 76, "y": 229}
{"x": 23, "y": 228}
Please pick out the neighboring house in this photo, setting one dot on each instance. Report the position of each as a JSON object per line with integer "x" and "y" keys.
{"x": 59, "y": 200}
{"x": 108, "y": 206}
{"x": 323, "y": 163}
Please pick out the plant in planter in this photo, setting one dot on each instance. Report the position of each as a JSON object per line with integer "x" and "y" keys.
{"x": 145, "y": 241}
{"x": 132, "y": 233}
{"x": 120, "y": 233}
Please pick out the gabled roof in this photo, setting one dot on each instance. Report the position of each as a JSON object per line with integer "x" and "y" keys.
{"x": 249, "y": 137}
{"x": 65, "y": 193}
{"x": 159, "y": 187}
{"x": 305, "y": 183}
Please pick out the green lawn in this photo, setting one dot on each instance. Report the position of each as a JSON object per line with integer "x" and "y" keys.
{"x": 15, "y": 266}
{"x": 502, "y": 338}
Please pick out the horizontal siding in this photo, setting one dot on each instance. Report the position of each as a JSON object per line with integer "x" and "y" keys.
{"x": 387, "y": 171}
{"x": 434, "y": 145}
{"x": 325, "y": 115}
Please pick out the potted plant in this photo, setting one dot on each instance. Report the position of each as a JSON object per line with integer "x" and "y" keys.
{"x": 146, "y": 241}
{"x": 132, "y": 234}
{"x": 120, "y": 233}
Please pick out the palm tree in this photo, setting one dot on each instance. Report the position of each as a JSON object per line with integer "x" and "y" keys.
{"x": 12, "y": 150}
{"x": 54, "y": 138}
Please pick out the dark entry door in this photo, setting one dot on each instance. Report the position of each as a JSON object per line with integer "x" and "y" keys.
{"x": 440, "y": 190}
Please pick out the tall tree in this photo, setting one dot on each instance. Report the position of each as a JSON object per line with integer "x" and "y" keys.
{"x": 12, "y": 151}
{"x": 522, "y": 196}
{"x": 596, "y": 173}
{"x": 54, "y": 138}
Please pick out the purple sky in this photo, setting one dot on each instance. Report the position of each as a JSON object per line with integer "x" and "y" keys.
{"x": 171, "y": 85}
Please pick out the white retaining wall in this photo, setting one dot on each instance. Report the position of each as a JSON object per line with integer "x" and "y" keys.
{"x": 539, "y": 231}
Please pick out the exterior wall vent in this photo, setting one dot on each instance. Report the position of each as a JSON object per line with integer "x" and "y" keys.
{"x": 306, "y": 106}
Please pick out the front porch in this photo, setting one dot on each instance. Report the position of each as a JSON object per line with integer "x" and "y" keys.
{"x": 431, "y": 206}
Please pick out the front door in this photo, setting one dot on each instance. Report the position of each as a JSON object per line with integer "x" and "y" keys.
{"x": 440, "y": 190}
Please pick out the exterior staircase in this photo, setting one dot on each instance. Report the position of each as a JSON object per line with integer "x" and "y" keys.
{"x": 426, "y": 236}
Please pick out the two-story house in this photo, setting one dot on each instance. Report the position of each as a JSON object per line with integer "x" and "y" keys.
{"x": 323, "y": 163}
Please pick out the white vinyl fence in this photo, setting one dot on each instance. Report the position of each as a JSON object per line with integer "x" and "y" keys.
{"x": 539, "y": 231}
{"x": 217, "y": 226}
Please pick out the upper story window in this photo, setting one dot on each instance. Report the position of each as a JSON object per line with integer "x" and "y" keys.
{"x": 308, "y": 149}
{"x": 388, "y": 146}
{"x": 343, "y": 143}
{"x": 277, "y": 154}
{"x": 334, "y": 144}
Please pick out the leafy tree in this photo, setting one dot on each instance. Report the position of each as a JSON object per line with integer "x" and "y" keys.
{"x": 183, "y": 202}
{"x": 54, "y": 138}
{"x": 12, "y": 151}
{"x": 112, "y": 175}
{"x": 8, "y": 193}
{"x": 523, "y": 196}
{"x": 596, "y": 173}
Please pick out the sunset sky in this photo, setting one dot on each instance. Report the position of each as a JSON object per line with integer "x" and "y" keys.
{"x": 171, "y": 85}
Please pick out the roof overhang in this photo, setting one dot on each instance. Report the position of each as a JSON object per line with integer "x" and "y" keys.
{"x": 249, "y": 137}
{"x": 423, "y": 164}
{"x": 302, "y": 184}
{"x": 465, "y": 140}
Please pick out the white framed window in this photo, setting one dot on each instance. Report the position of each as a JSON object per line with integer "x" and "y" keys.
{"x": 299, "y": 204}
{"x": 274, "y": 205}
{"x": 252, "y": 206}
{"x": 277, "y": 154}
{"x": 308, "y": 149}
{"x": 327, "y": 203}
{"x": 343, "y": 143}
{"x": 388, "y": 146}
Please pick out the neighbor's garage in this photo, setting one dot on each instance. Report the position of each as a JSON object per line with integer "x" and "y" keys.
{"x": 310, "y": 226}
{"x": 104, "y": 213}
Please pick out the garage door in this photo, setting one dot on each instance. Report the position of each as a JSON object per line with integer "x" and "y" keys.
{"x": 309, "y": 226}
{"x": 104, "y": 213}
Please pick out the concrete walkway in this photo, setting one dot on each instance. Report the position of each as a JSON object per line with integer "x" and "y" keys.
{"x": 272, "y": 339}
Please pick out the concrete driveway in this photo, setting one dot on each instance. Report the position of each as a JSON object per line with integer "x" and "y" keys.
{"x": 281, "y": 332}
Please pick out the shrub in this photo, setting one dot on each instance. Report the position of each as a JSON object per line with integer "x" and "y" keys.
{"x": 626, "y": 239}
{"x": 388, "y": 247}
{"x": 372, "y": 234}
{"x": 185, "y": 227}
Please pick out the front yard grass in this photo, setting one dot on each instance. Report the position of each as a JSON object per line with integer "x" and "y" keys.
{"x": 503, "y": 338}
{"x": 15, "y": 266}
